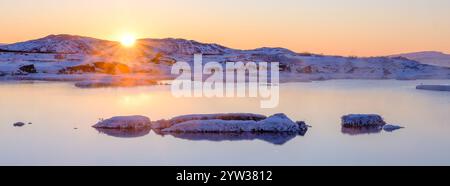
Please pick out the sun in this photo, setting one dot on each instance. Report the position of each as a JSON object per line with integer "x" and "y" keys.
{"x": 128, "y": 40}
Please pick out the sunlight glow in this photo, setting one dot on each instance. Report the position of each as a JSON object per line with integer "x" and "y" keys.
{"x": 128, "y": 40}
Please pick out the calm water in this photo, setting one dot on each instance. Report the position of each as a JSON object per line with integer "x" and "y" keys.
{"x": 56, "y": 109}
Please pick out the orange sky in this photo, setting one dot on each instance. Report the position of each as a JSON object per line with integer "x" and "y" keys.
{"x": 342, "y": 27}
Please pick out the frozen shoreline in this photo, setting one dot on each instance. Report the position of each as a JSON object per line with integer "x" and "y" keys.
{"x": 140, "y": 79}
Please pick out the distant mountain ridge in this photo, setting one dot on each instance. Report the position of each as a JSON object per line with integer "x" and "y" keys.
{"x": 159, "y": 54}
{"x": 428, "y": 57}
{"x": 74, "y": 44}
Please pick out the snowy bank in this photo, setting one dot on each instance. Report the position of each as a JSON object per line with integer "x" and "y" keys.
{"x": 275, "y": 123}
{"x": 124, "y": 122}
{"x": 434, "y": 87}
{"x": 362, "y": 120}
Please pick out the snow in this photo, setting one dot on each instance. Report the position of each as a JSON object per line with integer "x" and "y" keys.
{"x": 124, "y": 122}
{"x": 275, "y": 123}
{"x": 362, "y": 120}
{"x": 61, "y": 44}
{"x": 56, "y": 52}
{"x": 195, "y": 117}
{"x": 434, "y": 87}
{"x": 391, "y": 128}
{"x": 428, "y": 57}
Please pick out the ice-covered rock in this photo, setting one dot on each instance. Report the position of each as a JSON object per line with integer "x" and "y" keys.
{"x": 434, "y": 87}
{"x": 124, "y": 122}
{"x": 390, "y": 128}
{"x": 362, "y": 120}
{"x": 162, "y": 124}
{"x": 275, "y": 123}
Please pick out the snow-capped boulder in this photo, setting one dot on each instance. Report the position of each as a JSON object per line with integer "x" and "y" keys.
{"x": 390, "y": 128}
{"x": 162, "y": 124}
{"x": 124, "y": 122}
{"x": 434, "y": 87}
{"x": 275, "y": 123}
{"x": 362, "y": 120}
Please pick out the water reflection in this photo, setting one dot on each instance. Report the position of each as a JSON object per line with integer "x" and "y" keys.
{"x": 273, "y": 138}
{"x": 353, "y": 131}
{"x": 125, "y": 133}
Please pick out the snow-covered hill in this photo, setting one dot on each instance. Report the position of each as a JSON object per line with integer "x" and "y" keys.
{"x": 429, "y": 57}
{"x": 67, "y": 53}
{"x": 172, "y": 46}
{"x": 68, "y": 44}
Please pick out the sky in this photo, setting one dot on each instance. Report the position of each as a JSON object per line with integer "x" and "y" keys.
{"x": 335, "y": 27}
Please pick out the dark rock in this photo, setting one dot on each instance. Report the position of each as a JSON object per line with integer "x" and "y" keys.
{"x": 112, "y": 68}
{"x": 307, "y": 70}
{"x": 78, "y": 69}
{"x": 28, "y": 69}
{"x": 98, "y": 67}
{"x": 303, "y": 127}
{"x": 19, "y": 124}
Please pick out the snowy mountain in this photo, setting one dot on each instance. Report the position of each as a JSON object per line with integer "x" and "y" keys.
{"x": 77, "y": 53}
{"x": 68, "y": 44}
{"x": 171, "y": 46}
{"x": 429, "y": 57}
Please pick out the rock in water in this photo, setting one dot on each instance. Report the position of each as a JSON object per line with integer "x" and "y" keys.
{"x": 275, "y": 123}
{"x": 19, "y": 124}
{"x": 390, "y": 128}
{"x": 303, "y": 127}
{"x": 124, "y": 122}
{"x": 362, "y": 120}
{"x": 28, "y": 69}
